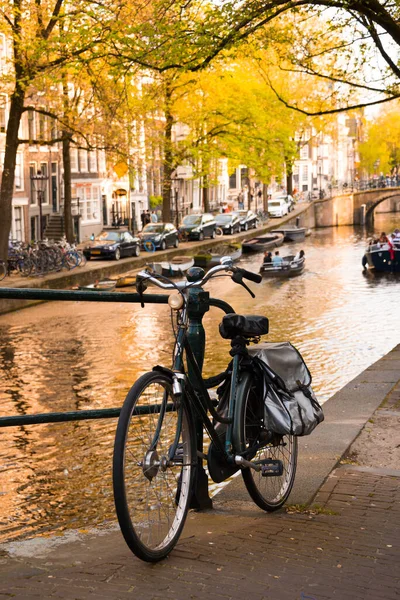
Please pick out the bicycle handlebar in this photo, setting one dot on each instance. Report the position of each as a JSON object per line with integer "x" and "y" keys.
{"x": 144, "y": 276}
{"x": 250, "y": 275}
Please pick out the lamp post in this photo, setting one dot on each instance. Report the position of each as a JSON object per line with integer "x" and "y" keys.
{"x": 319, "y": 159}
{"x": 39, "y": 183}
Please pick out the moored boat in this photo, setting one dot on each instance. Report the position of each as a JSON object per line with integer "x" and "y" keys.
{"x": 264, "y": 242}
{"x": 127, "y": 281}
{"x": 212, "y": 257}
{"x": 289, "y": 268}
{"x": 292, "y": 234}
{"x": 176, "y": 267}
{"x": 382, "y": 258}
{"x": 107, "y": 285}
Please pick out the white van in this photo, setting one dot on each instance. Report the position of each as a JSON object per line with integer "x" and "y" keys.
{"x": 278, "y": 207}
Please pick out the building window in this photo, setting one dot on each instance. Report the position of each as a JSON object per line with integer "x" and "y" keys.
{"x": 304, "y": 152}
{"x": 93, "y": 162}
{"x": 45, "y": 172}
{"x": 18, "y": 223}
{"x": 89, "y": 200}
{"x": 42, "y": 127}
{"x": 18, "y": 180}
{"x": 3, "y": 113}
{"x": 305, "y": 173}
{"x": 31, "y": 125}
{"x": 74, "y": 159}
{"x": 33, "y": 194}
{"x": 83, "y": 161}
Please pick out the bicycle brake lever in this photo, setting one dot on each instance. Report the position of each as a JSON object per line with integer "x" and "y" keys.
{"x": 238, "y": 278}
{"x": 141, "y": 287}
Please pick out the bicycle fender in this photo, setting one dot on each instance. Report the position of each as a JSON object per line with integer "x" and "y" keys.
{"x": 163, "y": 370}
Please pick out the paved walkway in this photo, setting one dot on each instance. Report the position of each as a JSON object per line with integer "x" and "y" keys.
{"x": 344, "y": 546}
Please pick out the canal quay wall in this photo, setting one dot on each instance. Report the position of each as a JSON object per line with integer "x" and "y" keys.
{"x": 344, "y": 545}
{"x": 96, "y": 270}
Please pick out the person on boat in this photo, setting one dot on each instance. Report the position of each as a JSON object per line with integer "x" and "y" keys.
{"x": 299, "y": 255}
{"x": 396, "y": 237}
{"x": 385, "y": 240}
{"x": 277, "y": 260}
{"x": 267, "y": 258}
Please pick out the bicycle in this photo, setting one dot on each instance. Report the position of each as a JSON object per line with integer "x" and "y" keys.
{"x": 156, "y": 460}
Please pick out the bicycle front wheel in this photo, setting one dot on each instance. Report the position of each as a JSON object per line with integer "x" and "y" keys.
{"x": 153, "y": 467}
{"x": 268, "y": 492}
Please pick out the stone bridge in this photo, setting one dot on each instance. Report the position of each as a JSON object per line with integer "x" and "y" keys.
{"x": 352, "y": 208}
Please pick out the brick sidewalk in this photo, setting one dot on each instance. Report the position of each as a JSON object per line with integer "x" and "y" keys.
{"x": 346, "y": 550}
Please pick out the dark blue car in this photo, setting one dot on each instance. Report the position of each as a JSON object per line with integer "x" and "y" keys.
{"x": 159, "y": 236}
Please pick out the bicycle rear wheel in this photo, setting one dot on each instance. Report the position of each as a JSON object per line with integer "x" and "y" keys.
{"x": 153, "y": 467}
{"x": 268, "y": 492}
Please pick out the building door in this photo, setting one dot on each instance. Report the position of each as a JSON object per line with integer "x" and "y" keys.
{"x": 34, "y": 228}
{"x": 54, "y": 187}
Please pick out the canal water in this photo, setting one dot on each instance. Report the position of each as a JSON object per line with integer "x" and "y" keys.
{"x": 75, "y": 356}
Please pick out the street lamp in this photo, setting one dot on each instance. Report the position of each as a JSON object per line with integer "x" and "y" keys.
{"x": 39, "y": 182}
{"x": 319, "y": 159}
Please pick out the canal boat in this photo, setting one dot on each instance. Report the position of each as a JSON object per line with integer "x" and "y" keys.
{"x": 213, "y": 257}
{"x": 289, "y": 268}
{"x": 107, "y": 285}
{"x": 292, "y": 234}
{"x": 176, "y": 267}
{"x": 263, "y": 243}
{"x": 382, "y": 258}
{"x": 126, "y": 281}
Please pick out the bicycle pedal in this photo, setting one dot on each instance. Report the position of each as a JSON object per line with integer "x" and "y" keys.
{"x": 272, "y": 468}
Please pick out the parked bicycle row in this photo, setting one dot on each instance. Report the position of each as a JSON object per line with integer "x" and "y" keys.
{"x": 41, "y": 258}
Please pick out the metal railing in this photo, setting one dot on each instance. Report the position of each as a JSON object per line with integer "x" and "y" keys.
{"x": 72, "y": 295}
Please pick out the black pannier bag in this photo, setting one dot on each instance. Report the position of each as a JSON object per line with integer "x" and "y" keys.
{"x": 290, "y": 405}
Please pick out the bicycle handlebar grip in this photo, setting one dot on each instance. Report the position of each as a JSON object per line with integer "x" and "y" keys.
{"x": 251, "y": 276}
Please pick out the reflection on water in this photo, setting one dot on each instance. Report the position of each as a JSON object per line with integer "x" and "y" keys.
{"x": 75, "y": 356}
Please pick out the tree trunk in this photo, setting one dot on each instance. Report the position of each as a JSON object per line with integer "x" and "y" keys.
{"x": 206, "y": 199}
{"x": 289, "y": 183}
{"x": 168, "y": 157}
{"x": 289, "y": 177}
{"x": 66, "y": 154}
{"x": 10, "y": 156}
{"x": 68, "y": 224}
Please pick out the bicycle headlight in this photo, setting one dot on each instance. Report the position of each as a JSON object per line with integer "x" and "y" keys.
{"x": 175, "y": 301}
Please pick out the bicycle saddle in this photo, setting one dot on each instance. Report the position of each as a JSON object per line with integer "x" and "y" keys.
{"x": 246, "y": 326}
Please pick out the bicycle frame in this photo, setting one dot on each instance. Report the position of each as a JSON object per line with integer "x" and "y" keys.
{"x": 191, "y": 342}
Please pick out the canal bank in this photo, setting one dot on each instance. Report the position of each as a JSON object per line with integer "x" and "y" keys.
{"x": 345, "y": 548}
{"x": 96, "y": 270}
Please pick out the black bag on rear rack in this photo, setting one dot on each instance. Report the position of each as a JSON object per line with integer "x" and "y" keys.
{"x": 290, "y": 405}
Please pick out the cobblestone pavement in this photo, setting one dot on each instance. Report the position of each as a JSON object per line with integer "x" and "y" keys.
{"x": 346, "y": 549}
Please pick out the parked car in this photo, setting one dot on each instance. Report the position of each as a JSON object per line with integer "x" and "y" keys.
{"x": 162, "y": 235}
{"x": 248, "y": 219}
{"x": 278, "y": 207}
{"x": 112, "y": 244}
{"x": 228, "y": 222}
{"x": 197, "y": 226}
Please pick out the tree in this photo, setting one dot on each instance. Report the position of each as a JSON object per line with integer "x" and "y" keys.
{"x": 380, "y": 152}
{"x": 45, "y": 37}
{"x": 189, "y": 35}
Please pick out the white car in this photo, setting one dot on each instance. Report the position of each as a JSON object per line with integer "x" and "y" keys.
{"x": 278, "y": 207}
